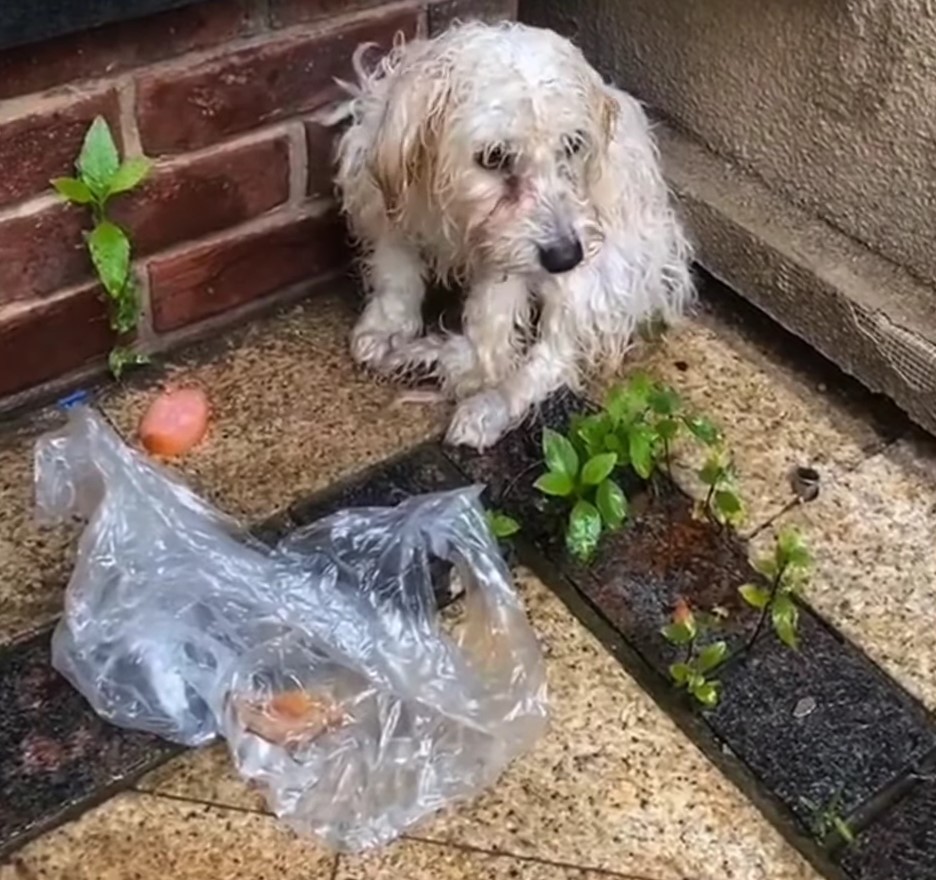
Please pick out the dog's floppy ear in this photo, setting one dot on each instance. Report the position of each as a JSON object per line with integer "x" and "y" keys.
{"x": 407, "y": 153}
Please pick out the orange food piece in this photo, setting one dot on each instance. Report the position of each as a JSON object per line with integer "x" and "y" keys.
{"x": 175, "y": 422}
{"x": 291, "y": 717}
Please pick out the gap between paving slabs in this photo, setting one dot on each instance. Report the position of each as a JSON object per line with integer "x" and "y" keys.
{"x": 820, "y": 726}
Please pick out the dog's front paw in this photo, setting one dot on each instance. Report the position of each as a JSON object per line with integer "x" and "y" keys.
{"x": 479, "y": 421}
{"x": 374, "y": 337}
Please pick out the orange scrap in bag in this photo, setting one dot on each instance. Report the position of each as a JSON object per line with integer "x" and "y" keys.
{"x": 290, "y": 716}
{"x": 175, "y": 422}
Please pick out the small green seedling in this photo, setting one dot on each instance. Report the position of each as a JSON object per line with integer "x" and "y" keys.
{"x": 502, "y": 526}
{"x": 827, "y": 820}
{"x": 787, "y": 571}
{"x": 722, "y": 501}
{"x": 101, "y": 175}
{"x": 694, "y": 673}
{"x": 598, "y": 503}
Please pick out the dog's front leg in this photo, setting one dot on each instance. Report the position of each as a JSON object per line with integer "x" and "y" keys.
{"x": 482, "y": 419}
{"x": 393, "y": 314}
{"x": 484, "y": 355}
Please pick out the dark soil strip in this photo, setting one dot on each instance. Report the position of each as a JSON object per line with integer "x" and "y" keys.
{"x": 57, "y": 758}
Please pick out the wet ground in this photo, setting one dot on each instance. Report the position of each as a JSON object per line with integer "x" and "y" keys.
{"x": 633, "y": 780}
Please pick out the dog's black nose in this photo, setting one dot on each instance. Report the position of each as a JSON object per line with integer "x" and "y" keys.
{"x": 561, "y": 256}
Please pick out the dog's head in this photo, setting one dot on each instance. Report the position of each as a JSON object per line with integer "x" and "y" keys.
{"x": 492, "y": 149}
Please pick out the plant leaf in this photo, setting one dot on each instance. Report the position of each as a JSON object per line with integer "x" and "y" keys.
{"x": 121, "y": 358}
{"x": 501, "y": 525}
{"x": 756, "y": 597}
{"x": 663, "y": 400}
{"x": 706, "y": 692}
{"x": 712, "y": 472}
{"x": 129, "y": 175}
{"x": 668, "y": 429}
{"x": 555, "y": 483}
{"x": 593, "y": 431}
{"x": 612, "y": 503}
{"x": 679, "y": 633}
{"x": 584, "y": 530}
{"x": 73, "y": 190}
{"x": 785, "y": 617}
{"x": 110, "y": 253}
{"x": 98, "y": 161}
{"x": 641, "y": 451}
{"x": 843, "y": 829}
{"x": 598, "y": 467}
{"x": 728, "y": 506}
{"x": 680, "y": 672}
{"x": 703, "y": 430}
{"x": 560, "y": 454}
{"x": 711, "y": 655}
{"x": 792, "y": 550}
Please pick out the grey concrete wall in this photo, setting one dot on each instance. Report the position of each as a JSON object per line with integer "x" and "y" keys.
{"x": 831, "y": 103}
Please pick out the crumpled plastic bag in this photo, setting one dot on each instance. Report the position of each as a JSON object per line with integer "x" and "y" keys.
{"x": 323, "y": 662}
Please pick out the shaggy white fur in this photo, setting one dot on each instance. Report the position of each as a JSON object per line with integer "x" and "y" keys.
{"x": 496, "y": 156}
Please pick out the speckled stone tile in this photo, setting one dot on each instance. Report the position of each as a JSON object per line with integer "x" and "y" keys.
{"x": 773, "y": 421}
{"x": 615, "y": 785}
{"x": 422, "y": 861}
{"x": 204, "y": 775}
{"x": 34, "y": 562}
{"x": 142, "y": 837}
{"x": 290, "y": 416}
{"x": 873, "y": 534}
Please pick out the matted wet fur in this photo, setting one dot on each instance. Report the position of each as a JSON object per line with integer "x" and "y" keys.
{"x": 495, "y": 156}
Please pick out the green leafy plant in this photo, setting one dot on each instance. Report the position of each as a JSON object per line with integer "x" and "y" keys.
{"x": 787, "y": 571}
{"x": 501, "y": 525}
{"x": 722, "y": 501}
{"x": 101, "y": 175}
{"x": 828, "y": 819}
{"x": 636, "y": 428}
{"x": 598, "y": 503}
{"x": 694, "y": 672}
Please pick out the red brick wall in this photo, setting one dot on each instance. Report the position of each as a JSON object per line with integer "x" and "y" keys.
{"x": 237, "y": 214}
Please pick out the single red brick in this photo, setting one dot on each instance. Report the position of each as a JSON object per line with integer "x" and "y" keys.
{"x": 444, "y": 13}
{"x": 320, "y": 147}
{"x": 193, "y": 197}
{"x": 183, "y": 109}
{"x": 43, "y": 252}
{"x": 287, "y": 12}
{"x": 211, "y": 278}
{"x": 49, "y": 338}
{"x": 111, "y": 49}
{"x": 44, "y": 144}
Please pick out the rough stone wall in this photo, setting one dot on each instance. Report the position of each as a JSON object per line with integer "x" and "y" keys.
{"x": 832, "y": 103}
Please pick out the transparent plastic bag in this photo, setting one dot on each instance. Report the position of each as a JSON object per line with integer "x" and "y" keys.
{"x": 324, "y": 662}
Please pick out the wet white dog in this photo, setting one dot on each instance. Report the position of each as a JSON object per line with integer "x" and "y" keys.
{"x": 495, "y": 155}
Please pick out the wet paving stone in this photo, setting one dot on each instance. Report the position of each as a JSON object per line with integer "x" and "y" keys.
{"x": 56, "y": 755}
{"x": 901, "y": 844}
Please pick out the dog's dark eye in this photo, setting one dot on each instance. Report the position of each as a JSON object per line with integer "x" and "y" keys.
{"x": 574, "y": 143}
{"x": 495, "y": 158}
